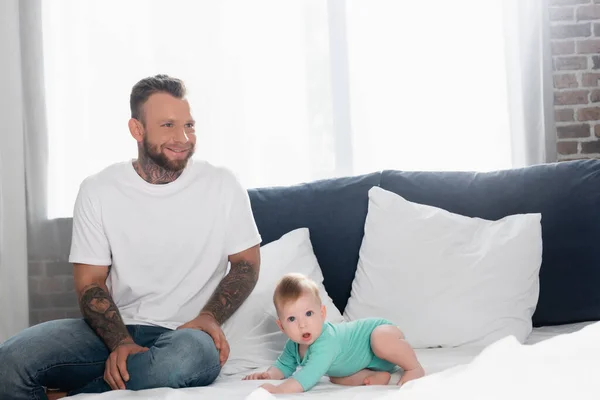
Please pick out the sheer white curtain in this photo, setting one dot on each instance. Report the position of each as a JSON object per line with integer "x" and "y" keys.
{"x": 529, "y": 81}
{"x": 257, "y": 74}
{"x": 284, "y": 92}
{"x": 14, "y": 313}
{"x": 428, "y": 85}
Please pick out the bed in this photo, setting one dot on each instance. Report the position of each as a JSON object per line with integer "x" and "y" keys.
{"x": 443, "y": 294}
{"x": 448, "y": 370}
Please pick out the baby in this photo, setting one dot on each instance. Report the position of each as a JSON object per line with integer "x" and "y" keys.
{"x": 361, "y": 352}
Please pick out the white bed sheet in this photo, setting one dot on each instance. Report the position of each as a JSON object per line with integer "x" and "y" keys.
{"x": 232, "y": 387}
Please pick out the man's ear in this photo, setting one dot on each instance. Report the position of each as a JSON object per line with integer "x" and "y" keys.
{"x": 323, "y": 311}
{"x": 280, "y": 325}
{"x": 136, "y": 129}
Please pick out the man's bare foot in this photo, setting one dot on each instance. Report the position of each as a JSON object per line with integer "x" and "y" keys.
{"x": 411, "y": 374}
{"x": 378, "y": 378}
{"x": 53, "y": 395}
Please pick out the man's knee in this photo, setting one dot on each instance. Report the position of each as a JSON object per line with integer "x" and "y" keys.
{"x": 25, "y": 356}
{"x": 22, "y": 349}
{"x": 15, "y": 367}
{"x": 191, "y": 358}
{"x": 12, "y": 362}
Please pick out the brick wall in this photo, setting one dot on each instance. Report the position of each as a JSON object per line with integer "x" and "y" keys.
{"x": 51, "y": 286}
{"x": 575, "y": 38}
{"x": 51, "y": 291}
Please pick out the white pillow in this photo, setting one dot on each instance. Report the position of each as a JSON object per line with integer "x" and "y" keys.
{"x": 252, "y": 333}
{"x": 445, "y": 279}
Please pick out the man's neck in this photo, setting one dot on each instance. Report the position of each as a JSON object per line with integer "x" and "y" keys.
{"x": 152, "y": 172}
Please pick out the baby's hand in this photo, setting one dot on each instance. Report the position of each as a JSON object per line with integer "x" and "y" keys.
{"x": 270, "y": 388}
{"x": 257, "y": 375}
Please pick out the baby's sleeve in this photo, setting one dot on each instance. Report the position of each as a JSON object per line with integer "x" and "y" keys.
{"x": 286, "y": 362}
{"x": 320, "y": 360}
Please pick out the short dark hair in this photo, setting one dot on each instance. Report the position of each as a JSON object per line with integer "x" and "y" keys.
{"x": 154, "y": 84}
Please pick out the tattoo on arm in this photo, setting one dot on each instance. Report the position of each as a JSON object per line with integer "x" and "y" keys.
{"x": 101, "y": 313}
{"x": 232, "y": 291}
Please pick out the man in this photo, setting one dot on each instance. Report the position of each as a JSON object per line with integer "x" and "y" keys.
{"x": 151, "y": 243}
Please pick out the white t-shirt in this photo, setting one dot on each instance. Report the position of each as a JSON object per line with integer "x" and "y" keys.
{"x": 168, "y": 244}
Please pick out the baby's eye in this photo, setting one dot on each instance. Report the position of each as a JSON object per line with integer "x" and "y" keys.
{"x": 168, "y": 125}
{"x": 309, "y": 313}
{"x": 291, "y": 319}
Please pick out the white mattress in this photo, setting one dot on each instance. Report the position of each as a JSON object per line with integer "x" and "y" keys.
{"x": 232, "y": 387}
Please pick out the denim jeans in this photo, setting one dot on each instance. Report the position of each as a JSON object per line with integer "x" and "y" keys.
{"x": 67, "y": 355}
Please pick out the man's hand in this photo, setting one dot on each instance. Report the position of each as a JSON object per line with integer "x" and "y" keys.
{"x": 115, "y": 373}
{"x": 257, "y": 376}
{"x": 206, "y": 322}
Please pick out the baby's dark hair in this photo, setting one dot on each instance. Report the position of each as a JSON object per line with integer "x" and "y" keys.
{"x": 291, "y": 287}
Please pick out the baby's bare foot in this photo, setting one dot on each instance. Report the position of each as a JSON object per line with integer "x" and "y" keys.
{"x": 411, "y": 374}
{"x": 378, "y": 378}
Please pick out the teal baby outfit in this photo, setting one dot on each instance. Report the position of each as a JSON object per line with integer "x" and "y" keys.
{"x": 341, "y": 350}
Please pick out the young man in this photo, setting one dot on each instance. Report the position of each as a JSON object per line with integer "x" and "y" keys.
{"x": 151, "y": 243}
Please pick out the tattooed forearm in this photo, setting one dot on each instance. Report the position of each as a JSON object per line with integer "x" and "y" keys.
{"x": 232, "y": 291}
{"x": 101, "y": 313}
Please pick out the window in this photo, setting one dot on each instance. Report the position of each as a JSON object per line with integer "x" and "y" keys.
{"x": 425, "y": 87}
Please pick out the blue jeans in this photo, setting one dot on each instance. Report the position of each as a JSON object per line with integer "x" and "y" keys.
{"x": 67, "y": 355}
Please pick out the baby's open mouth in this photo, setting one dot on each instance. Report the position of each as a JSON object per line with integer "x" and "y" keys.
{"x": 306, "y": 336}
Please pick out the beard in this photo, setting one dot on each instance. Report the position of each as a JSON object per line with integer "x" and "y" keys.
{"x": 156, "y": 154}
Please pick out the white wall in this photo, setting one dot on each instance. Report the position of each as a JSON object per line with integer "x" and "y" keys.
{"x": 14, "y": 307}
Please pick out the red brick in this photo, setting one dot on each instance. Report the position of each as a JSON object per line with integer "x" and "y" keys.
{"x": 567, "y": 147}
{"x": 588, "y": 46}
{"x": 72, "y": 313}
{"x": 50, "y": 285}
{"x": 562, "y": 13}
{"x": 589, "y": 114}
{"x": 565, "y": 81}
{"x": 68, "y": 284}
{"x": 56, "y": 268}
{"x": 590, "y": 147}
{"x": 52, "y": 300}
{"x": 571, "y": 97}
{"x": 38, "y": 316}
{"x": 571, "y": 31}
{"x": 33, "y": 284}
{"x": 590, "y": 79}
{"x": 567, "y": 2}
{"x": 37, "y": 268}
{"x": 586, "y": 13}
{"x": 595, "y": 96}
{"x": 564, "y": 115}
{"x": 563, "y": 47}
{"x": 570, "y": 63}
{"x": 573, "y": 131}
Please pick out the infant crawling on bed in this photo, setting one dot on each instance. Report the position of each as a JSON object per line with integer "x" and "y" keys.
{"x": 361, "y": 352}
